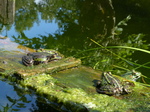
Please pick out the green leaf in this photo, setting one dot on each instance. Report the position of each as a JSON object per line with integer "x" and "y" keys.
{"x": 126, "y": 47}
{"x": 24, "y": 99}
{"x": 15, "y": 110}
{"x": 10, "y": 99}
{"x": 20, "y": 105}
{"x": 6, "y": 108}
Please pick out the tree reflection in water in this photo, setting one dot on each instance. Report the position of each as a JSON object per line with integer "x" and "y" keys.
{"x": 78, "y": 21}
{"x": 15, "y": 98}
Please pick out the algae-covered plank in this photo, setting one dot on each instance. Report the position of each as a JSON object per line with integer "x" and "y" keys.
{"x": 76, "y": 99}
{"x": 11, "y": 63}
{"x": 51, "y": 67}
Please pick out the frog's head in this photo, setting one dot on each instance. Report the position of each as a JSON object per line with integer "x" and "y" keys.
{"x": 53, "y": 57}
{"x": 135, "y": 75}
{"x": 107, "y": 77}
{"x": 50, "y": 51}
{"x": 53, "y": 54}
{"x": 27, "y": 60}
{"x": 132, "y": 75}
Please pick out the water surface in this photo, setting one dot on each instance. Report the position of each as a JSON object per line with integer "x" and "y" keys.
{"x": 68, "y": 27}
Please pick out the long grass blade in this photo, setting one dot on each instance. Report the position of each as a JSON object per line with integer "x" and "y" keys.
{"x": 126, "y": 47}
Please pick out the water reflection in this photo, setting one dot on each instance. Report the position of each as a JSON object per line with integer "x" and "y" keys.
{"x": 41, "y": 28}
{"x": 7, "y": 12}
{"x": 15, "y": 98}
{"x": 25, "y": 24}
{"x": 68, "y": 28}
{"x": 74, "y": 21}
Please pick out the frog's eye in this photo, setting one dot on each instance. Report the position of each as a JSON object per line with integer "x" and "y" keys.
{"x": 137, "y": 76}
{"x": 109, "y": 73}
{"x": 50, "y": 57}
{"x": 28, "y": 54}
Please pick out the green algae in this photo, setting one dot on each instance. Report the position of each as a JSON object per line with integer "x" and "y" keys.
{"x": 83, "y": 101}
{"x": 80, "y": 77}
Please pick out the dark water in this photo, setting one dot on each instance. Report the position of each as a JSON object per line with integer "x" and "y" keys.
{"x": 68, "y": 27}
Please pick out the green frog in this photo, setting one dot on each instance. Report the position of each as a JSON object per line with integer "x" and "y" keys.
{"x": 50, "y": 51}
{"x": 36, "y": 58}
{"x": 111, "y": 85}
{"x": 132, "y": 75}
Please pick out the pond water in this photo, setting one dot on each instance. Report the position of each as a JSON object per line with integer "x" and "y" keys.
{"x": 12, "y": 98}
{"x": 69, "y": 27}
{"x": 15, "y": 98}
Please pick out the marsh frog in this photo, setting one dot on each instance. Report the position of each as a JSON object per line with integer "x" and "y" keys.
{"x": 132, "y": 75}
{"x": 111, "y": 85}
{"x": 36, "y": 58}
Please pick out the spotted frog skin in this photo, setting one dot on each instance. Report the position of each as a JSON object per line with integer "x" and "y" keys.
{"x": 36, "y": 58}
{"x": 111, "y": 85}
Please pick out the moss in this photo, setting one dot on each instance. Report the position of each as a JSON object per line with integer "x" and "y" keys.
{"x": 76, "y": 99}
